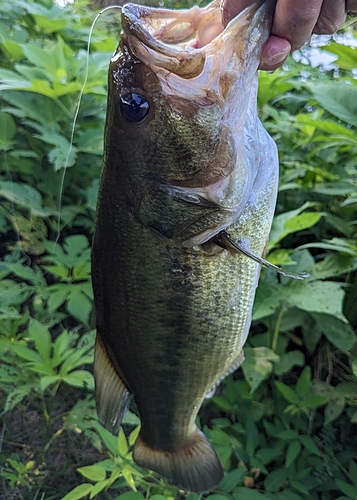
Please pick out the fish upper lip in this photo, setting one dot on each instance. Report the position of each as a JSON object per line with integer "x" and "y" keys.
{"x": 181, "y": 41}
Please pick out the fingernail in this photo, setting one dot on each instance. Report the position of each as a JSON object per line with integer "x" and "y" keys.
{"x": 275, "y": 59}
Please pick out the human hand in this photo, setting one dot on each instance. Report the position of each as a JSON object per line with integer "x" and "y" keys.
{"x": 293, "y": 24}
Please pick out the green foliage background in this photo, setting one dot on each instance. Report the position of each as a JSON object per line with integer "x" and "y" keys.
{"x": 285, "y": 426}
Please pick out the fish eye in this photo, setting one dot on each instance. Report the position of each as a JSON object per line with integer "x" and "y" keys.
{"x": 134, "y": 107}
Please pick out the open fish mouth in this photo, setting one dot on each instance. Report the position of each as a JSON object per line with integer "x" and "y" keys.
{"x": 192, "y": 144}
{"x": 193, "y": 44}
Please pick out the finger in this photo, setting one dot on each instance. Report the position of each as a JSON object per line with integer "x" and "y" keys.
{"x": 332, "y": 17}
{"x": 351, "y": 6}
{"x": 274, "y": 53}
{"x": 231, "y": 8}
{"x": 295, "y": 21}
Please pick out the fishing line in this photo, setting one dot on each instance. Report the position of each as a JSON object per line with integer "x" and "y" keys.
{"x": 75, "y": 118}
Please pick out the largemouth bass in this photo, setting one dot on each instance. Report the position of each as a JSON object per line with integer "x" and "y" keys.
{"x": 189, "y": 177}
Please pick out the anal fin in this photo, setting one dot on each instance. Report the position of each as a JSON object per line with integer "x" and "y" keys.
{"x": 112, "y": 396}
{"x": 238, "y": 360}
{"x": 194, "y": 466}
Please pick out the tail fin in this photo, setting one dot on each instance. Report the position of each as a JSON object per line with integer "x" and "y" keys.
{"x": 195, "y": 466}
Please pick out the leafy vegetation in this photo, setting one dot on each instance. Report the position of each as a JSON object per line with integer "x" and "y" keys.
{"x": 285, "y": 426}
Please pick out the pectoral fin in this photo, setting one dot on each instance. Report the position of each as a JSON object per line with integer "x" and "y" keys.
{"x": 112, "y": 396}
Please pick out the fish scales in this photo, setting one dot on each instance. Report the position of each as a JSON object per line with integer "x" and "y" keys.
{"x": 185, "y": 159}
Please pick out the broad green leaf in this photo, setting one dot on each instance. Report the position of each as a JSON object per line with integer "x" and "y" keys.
{"x": 24, "y": 352}
{"x": 309, "y": 444}
{"x": 79, "y": 492}
{"x": 339, "y": 98}
{"x": 134, "y": 434}
{"x": 288, "y": 434}
{"x": 333, "y": 265}
{"x": 232, "y": 479}
{"x": 258, "y": 365}
{"x": 248, "y": 494}
{"x": 324, "y": 297}
{"x": 275, "y": 480}
{"x": 58, "y": 294}
{"x": 136, "y": 495}
{"x": 46, "y": 381}
{"x": 22, "y": 195}
{"x": 287, "y": 392}
{"x": 287, "y": 361}
{"x": 98, "y": 487}
{"x": 314, "y": 401}
{"x": 93, "y": 472}
{"x": 129, "y": 478}
{"x": 333, "y": 409}
{"x": 347, "y": 489}
{"x": 79, "y": 378}
{"x": 338, "y": 331}
{"x": 42, "y": 338}
{"x": 79, "y": 305}
{"x": 289, "y": 222}
{"x": 14, "y": 397}
{"x": 7, "y": 131}
{"x": 304, "y": 383}
{"x": 110, "y": 441}
{"x": 292, "y": 452}
{"x": 12, "y": 80}
{"x": 122, "y": 443}
{"x": 297, "y": 485}
{"x": 347, "y": 56}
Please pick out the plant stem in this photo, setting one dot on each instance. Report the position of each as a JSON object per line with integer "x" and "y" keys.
{"x": 277, "y": 328}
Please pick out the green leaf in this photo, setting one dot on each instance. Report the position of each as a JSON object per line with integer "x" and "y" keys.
{"x": 7, "y": 131}
{"x": 247, "y": 494}
{"x": 79, "y": 305}
{"x": 24, "y": 352}
{"x": 288, "y": 393}
{"x": 314, "y": 401}
{"x": 93, "y": 472}
{"x": 80, "y": 378}
{"x": 98, "y": 487}
{"x": 42, "y": 338}
{"x": 258, "y": 365}
{"x": 122, "y": 443}
{"x": 232, "y": 479}
{"x": 317, "y": 297}
{"x": 288, "y": 434}
{"x": 333, "y": 409}
{"x": 347, "y": 56}
{"x": 79, "y": 492}
{"x": 128, "y": 475}
{"x": 339, "y": 98}
{"x": 304, "y": 383}
{"x": 291, "y": 222}
{"x": 22, "y": 195}
{"x": 299, "y": 487}
{"x": 46, "y": 381}
{"x": 288, "y": 360}
{"x": 275, "y": 480}
{"x": 110, "y": 441}
{"x": 292, "y": 452}
{"x": 136, "y": 495}
{"x": 309, "y": 444}
{"x": 338, "y": 331}
{"x": 347, "y": 489}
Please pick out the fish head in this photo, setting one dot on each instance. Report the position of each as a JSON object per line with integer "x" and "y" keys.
{"x": 181, "y": 89}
